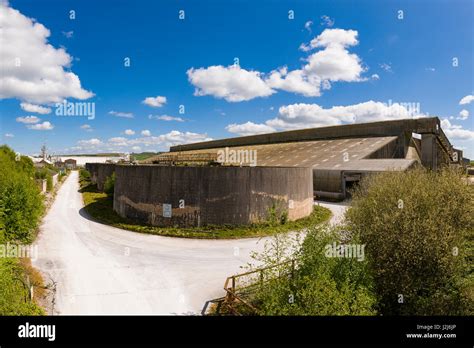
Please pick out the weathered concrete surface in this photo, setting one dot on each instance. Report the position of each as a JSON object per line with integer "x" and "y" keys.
{"x": 100, "y": 172}
{"x": 211, "y": 195}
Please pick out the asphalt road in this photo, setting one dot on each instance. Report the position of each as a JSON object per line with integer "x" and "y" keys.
{"x": 100, "y": 269}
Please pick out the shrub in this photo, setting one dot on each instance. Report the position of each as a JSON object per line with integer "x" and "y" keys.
{"x": 21, "y": 204}
{"x": 418, "y": 226}
{"x": 318, "y": 285}
{"x": 109, "y": 185}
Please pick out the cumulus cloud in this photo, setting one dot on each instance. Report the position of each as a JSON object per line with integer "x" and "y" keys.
{"x": 9, "y": 135}
{"x": 466, "y": 100}
{"x": 463, "y": 115}
{"x": 155, "y": 102}
{"x": 230, "y": 83}
{"x": 86, "y": 127}
{"x": 162, "y": 142}
{"x": 32, "y": 69}
{"x": 90, "y": 142}
{"x": 331, "y": 62}
{"x": 146, "y": 133}
{"x": 308, "y": 25}
{"x": 35, "y": 108}
{"x": 295, "y": 81}
{"x": 41, "y": 126}
{"x": 456, "y": 132}
{"x": 118, "y": 141}
{"x": 165, "y": 118}
{"x": 249, "y": 128}
{"x": 301, "y": 115}
{"x": 121, "y": 114}
{"x": 129, "y": 132}
{"x": 334, "y": 62}
{"x": 28, "y": 119}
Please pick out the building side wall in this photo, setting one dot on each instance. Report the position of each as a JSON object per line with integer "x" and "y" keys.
{"x": 211, "y": 195}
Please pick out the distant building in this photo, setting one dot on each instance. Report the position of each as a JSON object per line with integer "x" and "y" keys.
{"x": 40, "y": 162}
{"x": 70, "y": 163}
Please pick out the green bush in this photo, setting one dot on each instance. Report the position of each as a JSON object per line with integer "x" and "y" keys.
{"x": 14, "y": 294}
{"x": 318, "y": 285}
{"x": 21, "y": 204}
{"x": 418, "y": 228}
{"x": 109, "y": 185}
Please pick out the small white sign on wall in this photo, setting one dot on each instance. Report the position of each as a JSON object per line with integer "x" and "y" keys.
{"x": 167, "y": 210}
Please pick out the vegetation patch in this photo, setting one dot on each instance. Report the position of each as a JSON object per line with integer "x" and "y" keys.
{"x": 21, "y": 208}
{"x": 416, "y": 231}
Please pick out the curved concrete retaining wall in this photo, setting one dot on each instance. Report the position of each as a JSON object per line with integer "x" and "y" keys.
{"x": 195, "y": 196}
{"x": 99, "y": 173}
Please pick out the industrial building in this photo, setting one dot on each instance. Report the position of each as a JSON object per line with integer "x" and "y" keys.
{"x": 239, "y": 180}
{"x": 338, "y": 155}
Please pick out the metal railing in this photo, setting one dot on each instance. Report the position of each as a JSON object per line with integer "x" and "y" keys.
{"x": 236, "y": 294}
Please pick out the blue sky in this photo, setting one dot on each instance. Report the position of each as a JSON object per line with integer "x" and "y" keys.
{"x": 334, "y": 62}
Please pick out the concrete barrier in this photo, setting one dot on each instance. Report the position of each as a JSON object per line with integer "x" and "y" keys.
{"x": 196, "y": 196}
{"x": 100, "y": 172}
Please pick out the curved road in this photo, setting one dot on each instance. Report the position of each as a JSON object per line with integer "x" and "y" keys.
{"x": 100, "y": 269}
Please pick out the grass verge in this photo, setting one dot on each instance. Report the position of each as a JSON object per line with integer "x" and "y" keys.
{"x": 100, "y": 207}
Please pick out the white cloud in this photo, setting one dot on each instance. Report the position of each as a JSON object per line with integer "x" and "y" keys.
{"x": 466, "y": 100}
{"x": 334, "y": 38}
{"x": 118, "y": 141}
{"x": 249, "y": 128}
{"x": 146, "y": 133}
{"x": 121, "y": 114}
{"x": 308, "y": 25}
{"x": 165, "y": 118}
{"x": 155, "y": 102}
{"x": 163, "y": 142}
{"x": 295, "y": 81}
{"x": 41, "y": 126}
{"x": 456, "y": 132}
{"x": 28, "y": 119}
{"x": 86, "y": 127}
{"x": 300, "y": 116}
{"x": 32, "y": 69}
{"x": 230, "y": 83}
{"x": 327, "y": 21}
{"x": 9, "y": 135}
{"x": 375, "y": 77}
{"x": 386, "y": 66}
{"x": 172, "y": 138}
{"x": 331, "y": 63}
{"x": 129, "y": 132}
{"x": 463, "y": 115}
{"x": 90, "y": 142}
{"x": 35, "y": 108}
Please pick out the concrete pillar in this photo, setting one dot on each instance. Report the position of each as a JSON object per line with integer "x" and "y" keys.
{"x": 429, "y": 151}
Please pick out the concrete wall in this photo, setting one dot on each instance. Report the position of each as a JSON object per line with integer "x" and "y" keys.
{"x": 55, "y": 179}
{"x": 99, "y": 173}
{"x": 211, "y": 195}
